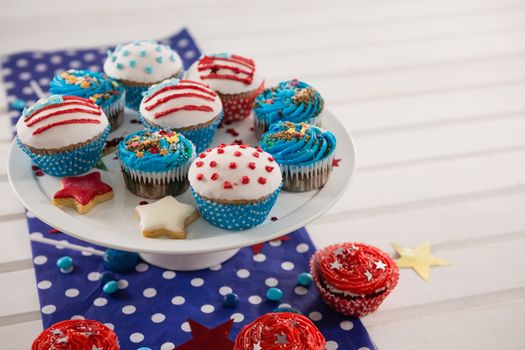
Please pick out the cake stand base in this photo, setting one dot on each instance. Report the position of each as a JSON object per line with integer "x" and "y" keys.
{"x": 188, "y": 262}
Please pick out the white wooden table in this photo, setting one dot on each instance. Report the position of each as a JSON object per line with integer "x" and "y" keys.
{"x": 433, "y": 92}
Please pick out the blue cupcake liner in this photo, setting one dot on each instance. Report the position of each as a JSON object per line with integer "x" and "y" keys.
{"x": 72, "y": 162}
{"x": 236, "y": 217}
{"x": 200, "y": 137}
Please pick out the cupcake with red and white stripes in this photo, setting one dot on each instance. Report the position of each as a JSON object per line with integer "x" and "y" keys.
{"x": 185, "y": 106}
{"x": 235, "y": 78}
{"x": 63, "y": 135}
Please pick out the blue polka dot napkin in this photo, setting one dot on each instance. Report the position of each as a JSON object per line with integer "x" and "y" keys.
{"x": 152, "y": 306}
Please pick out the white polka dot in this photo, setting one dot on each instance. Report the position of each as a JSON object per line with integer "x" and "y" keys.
{"x": 178, "y": 300}
{"x": 9, "y": 85}
{"x": 197, "y": 282}
{"x": 190, "y": 54}
{"x": 363, "y": 348}
{"x": 110, "y": 326}
{"x": 43, "y": 81}
{"x": 45, "y": 284}
{"x": 100, "y": 301}
{"x": 158, "y": 318}
{"x": 271, "y": 282}
{"x": 300, "y": 290}
{"x": 55, "y": 59}
{"x": 142, "y": 267}
{"x": 61, "y": 246}
{"x": 129, "y": 309}
{"x": 136, "y": 337}
{"x": 216, "y": 267}
{"x": 37, "y": 234}
{"x": 207, "y": 309}
{"x": 183, "y": 42}
{"x": 169, "y": 275}
{"x": 346, "y": 325}
{"x": 122, "y": 284}
{"x": 149, "y": 292}
{"x": 225, "y": 290}
{"x": 40, "y": 260}
{"x": 167, "y": 346}
{"x": 89, "y": 56}
{"x": 78, "y": 317}
{"x": 237, "y": 317}
{"x": 276, "y": 243}
{"x": 71, "y": 52}
{"x": 22, "y": 62}
{"x": 24, "y": 76}
{"x": 255, "y": 299}
{"x": 185, "y": 327}
{"x": 49, "y": 309}
{"x": 259, "y": 257}
{"x": 88, "y": 251}
{"x": 75, "y": 64}
{"x": 243, "y": 273}
{"x": 72, "y": 293}
{"x": 302, "y": 248}
{"x": 41, "y": 67}
{"x": 94, "y": 68}
{"x": 7, "y": 71}
{"x": 93, "y": 276}
{"x": 287, "y": 265}
{"x": 331, "y": 345}
{"x": 284, "y": 306}
{"x": 315, "y": 316}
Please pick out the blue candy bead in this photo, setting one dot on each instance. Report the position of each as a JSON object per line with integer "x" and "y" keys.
{"x": 110, "y": 287}
{"x": 288, "y": 309}
{"x": 274, "y": 294}
{"x": 120, "y": 261}
{"x": 305, "y": 279}
{"x": 107, "y": 276}
{"x": 17, "y": 104}
{"x": 65, "y": 263}
{"x": 231, "y": 299}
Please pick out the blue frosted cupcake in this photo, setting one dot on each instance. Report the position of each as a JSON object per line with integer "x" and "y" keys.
{"x": 292, "y": 101}
{"x": 235, "y": 186}
{"x": 304, "y": 152}
{"x": 100, "y": 89}
{"x": 63, "y": 135}
{"x": 155, "y": 164}
{"x": 140, "y": 64}
{"x": 185, "y": 106}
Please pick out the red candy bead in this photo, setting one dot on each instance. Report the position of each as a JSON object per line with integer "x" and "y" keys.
{"x": 39, "y": 173}
{"x": 214, "y": 176}
{"x": 233, "y": 165}
{"x": 222, "y": 145}
{"x": 202, "y": 155}
{"x": 270, "y": 159}
{"x": 220, "y": 150}
{"x": 245, "y": 180}
{"x": 227, "y": 185}
{"x": 251, "y": 165}
{"x": 237, "y": 153}
{"x": 243, "y": 146}
{"x": 259, "y": 149}
{"x": 154, "y": 150}
{"x": 269, "y": 168}
{"x": 199, "y": 164}
{"x": 200, "y": 177}
{"x": 35, "y": 168}
{"x": 262, "y": 180}
{"x": 256, "y": 155}
{"x": 208, "y": 150}
{"x": 213, "y": 164}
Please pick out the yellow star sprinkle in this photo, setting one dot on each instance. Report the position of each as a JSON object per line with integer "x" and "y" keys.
{"x": 173, "y": 139}
{"x": 139, "y": 154}
{"x": 163, "y": 151}
{"x": 418, "y": 259}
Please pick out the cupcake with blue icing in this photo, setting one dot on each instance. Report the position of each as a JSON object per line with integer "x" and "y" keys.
{"x": 304, "y": 153}
{"x": 185, "y": 106}
{"x": 99, "y": 88}
{"x": 292, "y": 101}
{"x": 141, "y": 64}
{"x": 155, "y": 163}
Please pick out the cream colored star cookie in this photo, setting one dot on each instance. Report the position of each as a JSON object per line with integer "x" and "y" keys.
{"x": 166, "y": 217}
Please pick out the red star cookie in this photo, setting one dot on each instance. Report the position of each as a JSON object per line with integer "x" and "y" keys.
{"x": 83, "y": 192}
{"x": 208, "y": 338}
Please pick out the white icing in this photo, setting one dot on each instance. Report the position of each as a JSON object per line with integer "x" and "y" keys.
{"x": 181, "y": 119}
{"x": 253, "y": 190}
{"x": 165, "y": 214}
{"x": 349, "y": 294}
{"x": 132, "y": 52}
{"x": 224, "y": 86}
{"x": 61, "y": 135}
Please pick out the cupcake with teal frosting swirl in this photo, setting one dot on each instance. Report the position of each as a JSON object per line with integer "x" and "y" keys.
{"x": 96, "y": 87}
{"x": 155, "y": 163}
{"x": 289, "y": 101}
{"x": 304, "y": 153}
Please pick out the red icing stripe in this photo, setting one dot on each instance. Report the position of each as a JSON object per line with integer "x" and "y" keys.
{"x": 70, "y": 102}
{"x": 209, "y": 63}
{"x": 234, "y": 59}
{"x": 64, "y": 122}
{"x": 182, "y": 87}
{"x": 174, "y": 96}
{"x": 65, "y": 111}
{"x": 184, "y": 81}
{"x": 183, "y": 108}
{"x": 234, "y": 69}
{"x": 247, "y": 80}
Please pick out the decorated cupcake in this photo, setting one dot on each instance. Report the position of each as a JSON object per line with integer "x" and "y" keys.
{"x": 185, "y": 106}
{"x": 235, "y": 186}
{"x": 354, "y": 278}
{"x": 139, "y": 65}
{"x": 292, "y": 101}
{"x": 235, "y": 78}
{"x": 283, "y": 331}
{"x": 105, "y": 92}
{"x": 155, "y": 163}
{"x": 304, "y": 153}
{"x": 63, "y": 135}
{"x": 76, "y": 335}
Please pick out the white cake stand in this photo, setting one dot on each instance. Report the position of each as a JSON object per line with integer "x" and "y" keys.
{"x": 113, "y": 223}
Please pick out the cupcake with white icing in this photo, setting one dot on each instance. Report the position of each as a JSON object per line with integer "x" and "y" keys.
{"x": 63, "y": 135}
{"x": 235, "y": 186}
{"x": 235, "y": 78}
{"x": 185, "y": 106}
{"x": 139, "y": 65}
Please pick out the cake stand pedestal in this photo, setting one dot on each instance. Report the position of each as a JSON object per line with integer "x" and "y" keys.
{"x": 188, "y": 262}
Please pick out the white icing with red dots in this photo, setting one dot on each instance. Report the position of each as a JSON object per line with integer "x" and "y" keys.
{"x": 234, "y": 172}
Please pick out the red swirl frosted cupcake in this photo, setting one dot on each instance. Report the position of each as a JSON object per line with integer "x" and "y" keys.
{"x": 76, "y": 335}
{"x": 280, "y": 331}
{"x": 354, "y": 278}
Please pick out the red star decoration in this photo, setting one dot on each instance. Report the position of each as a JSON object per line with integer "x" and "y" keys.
{"x": 54, "y": 230}
{"x": 238, "y": 142}
{"x": 256, "y": 248}
{"x": 335, "y": 162}
{"x": 206, "y": 338}
{"x": 232, "y": 132}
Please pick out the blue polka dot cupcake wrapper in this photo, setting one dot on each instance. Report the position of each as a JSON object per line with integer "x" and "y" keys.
{"x": 200, "y": 137}
{"x": 114, "y": 111}
{"x": 263, "y": 124}
{"x": 72, "y": 162}
{"x": 235, "y": 217}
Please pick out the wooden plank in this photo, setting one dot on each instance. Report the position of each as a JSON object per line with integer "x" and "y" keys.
{"x": 10, "y": 205}
{"x": 20, "y": 300}
{"x": 15, "y": 251}
{"x": 20, "y": 335}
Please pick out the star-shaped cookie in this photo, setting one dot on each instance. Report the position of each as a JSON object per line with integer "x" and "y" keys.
{"x": 166, "y": 217}
{"x": 83, "y": 192}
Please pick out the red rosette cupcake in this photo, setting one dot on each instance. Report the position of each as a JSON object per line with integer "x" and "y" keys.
{"x": 235, "y": 78}
{"x": 353, "y": 278}
{"x": 280, "y": 331}
{"x": 76, "y": 335}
